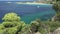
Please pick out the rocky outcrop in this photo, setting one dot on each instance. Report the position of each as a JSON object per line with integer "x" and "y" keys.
{"x": 57, "y": 31}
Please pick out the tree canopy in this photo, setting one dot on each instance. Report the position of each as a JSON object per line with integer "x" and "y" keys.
{"x": 12, "y": 24}
{"x": 11, "y": 17}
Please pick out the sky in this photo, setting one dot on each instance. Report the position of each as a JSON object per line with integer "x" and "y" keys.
{"x": 16, "y": 0}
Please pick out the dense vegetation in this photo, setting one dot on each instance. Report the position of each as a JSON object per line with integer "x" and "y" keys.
{"x": 12, "y": 24}
{"x": 56, "y": 5}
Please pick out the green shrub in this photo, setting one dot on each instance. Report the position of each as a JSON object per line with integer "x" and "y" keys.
{"x": 1, "y": 27}
{"x": 25, "y": 30}
{"x": 11, "y": 24}
{"x": 11, "y": 17}
{"x": 42, "y": 30}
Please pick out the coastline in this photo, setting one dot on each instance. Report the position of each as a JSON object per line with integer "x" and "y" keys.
{"x": 35, "y": 3}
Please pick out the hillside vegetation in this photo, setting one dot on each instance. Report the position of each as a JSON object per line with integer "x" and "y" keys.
{"x": 12, "y": 24}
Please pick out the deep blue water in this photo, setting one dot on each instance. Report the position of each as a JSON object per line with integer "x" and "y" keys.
{"x": 27, "y": 12}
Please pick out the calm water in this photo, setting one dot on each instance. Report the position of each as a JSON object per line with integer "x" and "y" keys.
{"x": 28, "y": 12}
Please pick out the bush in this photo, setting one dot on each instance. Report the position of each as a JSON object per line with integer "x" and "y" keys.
{"x": 11, "y": 17}
{"x": 11, "y": 24}
{"x": 52, "y": 25}
{"x": 25, "y": 30}
{"x": 1, "y": 27}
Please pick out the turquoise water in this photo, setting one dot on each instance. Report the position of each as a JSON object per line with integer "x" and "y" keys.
{"x": 28, "y": 12}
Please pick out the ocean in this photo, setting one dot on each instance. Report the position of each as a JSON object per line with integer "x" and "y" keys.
{"x": 27, "y": 12}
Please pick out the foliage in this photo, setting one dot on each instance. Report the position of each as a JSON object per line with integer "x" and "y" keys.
{"x": 16, "y": 26}
{"x": 42, "y": 30}
{"x": 11, "y": 24}
{"x": 11, "y": 17}
{"x": 48, "y": 27}
{"x": 25, "y": 30}
{"x": 56, "y": 5}
{"x": 52, "y": 25}
{"x": 35, "y": 25}
{"x": 1, "y": 27}
{"x": 11, "y": 30}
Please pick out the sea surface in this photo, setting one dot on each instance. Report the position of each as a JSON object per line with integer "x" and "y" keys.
{"x": 27, "y": 12}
